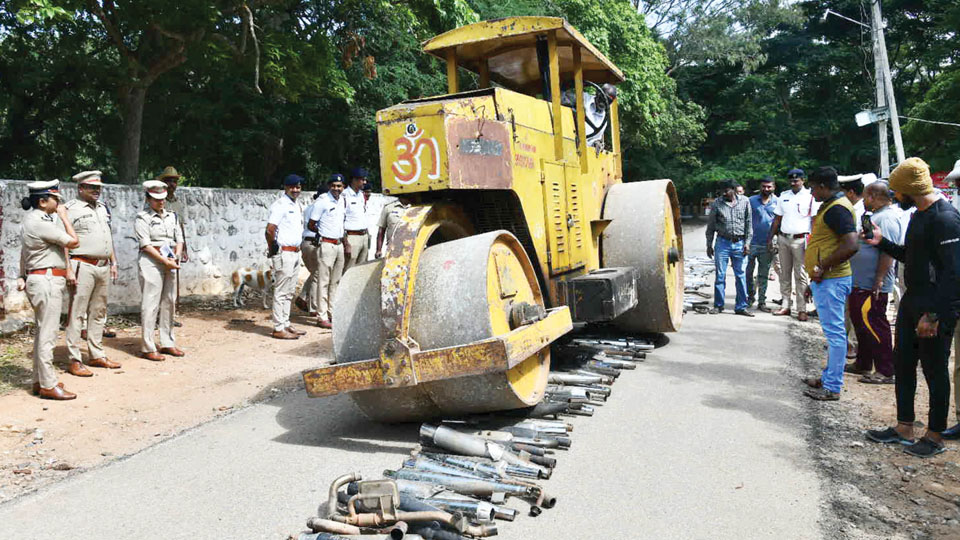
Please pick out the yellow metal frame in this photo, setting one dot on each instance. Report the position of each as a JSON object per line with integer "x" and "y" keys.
{"x": 477, "y": 44}
{"x": 500, "y": 353}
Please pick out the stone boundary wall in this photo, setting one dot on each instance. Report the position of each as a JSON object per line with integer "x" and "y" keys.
{"x": 224, "y": 231}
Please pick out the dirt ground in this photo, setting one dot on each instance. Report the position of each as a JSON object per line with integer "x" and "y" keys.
{"x": 874, "y": 491}
{"x": 231, "y": 362}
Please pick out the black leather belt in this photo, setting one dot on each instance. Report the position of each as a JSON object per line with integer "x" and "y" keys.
{"x": 733, "y": 238}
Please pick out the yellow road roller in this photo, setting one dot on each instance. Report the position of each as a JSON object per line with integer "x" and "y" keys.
{"x": 518, "y": 226}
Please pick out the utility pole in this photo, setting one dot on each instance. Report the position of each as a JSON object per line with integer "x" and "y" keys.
{"x": 881, "y": 102}
{"x": 885, "y": 96}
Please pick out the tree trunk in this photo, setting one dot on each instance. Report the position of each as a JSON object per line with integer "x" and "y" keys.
{"x": 132, "y": 99}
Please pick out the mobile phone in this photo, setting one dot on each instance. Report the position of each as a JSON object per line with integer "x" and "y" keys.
{"x": 867, "y": 226}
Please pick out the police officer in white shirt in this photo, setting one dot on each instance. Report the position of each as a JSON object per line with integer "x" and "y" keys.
{"x": 284, "y": 234}
{"x": 326, "y": 219}
{"x": 355, "y": 221}
{"x": 791, "y": 225}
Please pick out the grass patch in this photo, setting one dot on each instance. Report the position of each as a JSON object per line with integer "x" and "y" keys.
{"x": 14, "y": 367}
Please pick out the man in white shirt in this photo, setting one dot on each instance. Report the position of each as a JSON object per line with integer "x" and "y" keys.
{"x": 326, "y": 220}
{"x": 307, "y": 299}
{"x": 791, "y": 225}
{"x": 355, "y": 220}
{"x": 284, "y": 234}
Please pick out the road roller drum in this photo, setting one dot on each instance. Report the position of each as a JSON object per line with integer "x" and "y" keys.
{"x": 466, "y": 291}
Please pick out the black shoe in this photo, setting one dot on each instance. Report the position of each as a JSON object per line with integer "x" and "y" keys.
{"x": 887, "y": 436}
{"x": 951, "y": 433}
{"x": 778, "y": 301}
{"x": 714, "y": 311}
{"x": 744, "y": 312}
{"x": 177, "y": 324}
{"x": 763, "y": 307}
{"x": 924, "y": 448}
{"x": 822, "y": 394}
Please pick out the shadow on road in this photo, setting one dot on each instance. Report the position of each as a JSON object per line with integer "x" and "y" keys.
{"x": 742, "y": 385}
{"x": 335, "y": 422}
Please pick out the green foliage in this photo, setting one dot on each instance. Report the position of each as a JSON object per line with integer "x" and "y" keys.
{"x": 796, "y": 108}
{"x": 658, "y": 130}
{"x": 38, "y": 11}
{"x": 738, "y": 89}
{"x": 324, "y": 69}
{"x": 939, "y": 144}
{"x": 730, "y": 33}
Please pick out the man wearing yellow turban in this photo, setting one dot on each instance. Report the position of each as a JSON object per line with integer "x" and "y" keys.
{"x": 930, "y": 306}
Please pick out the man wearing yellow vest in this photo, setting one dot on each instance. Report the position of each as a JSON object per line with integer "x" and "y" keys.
{"x": 833, "y": 240}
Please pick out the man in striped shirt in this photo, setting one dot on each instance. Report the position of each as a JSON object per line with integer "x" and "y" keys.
{"x": 730, "y": 220}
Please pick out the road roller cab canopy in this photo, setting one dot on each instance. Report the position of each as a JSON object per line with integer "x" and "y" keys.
{"x": 510, "y": 52}
{"x": 532, "y": 55}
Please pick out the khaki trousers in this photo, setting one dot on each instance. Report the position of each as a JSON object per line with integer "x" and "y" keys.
{"x": 286, "y": 266}
{"x": 311, "y": 258}
{"x": 331, "y": 264}
{"x": 358, "y": 250}
{"x": 45, "y": 293}
{"x": 791, "y": 266}
{"x": 89, "y": 303}
{"x": 158, "y": 295}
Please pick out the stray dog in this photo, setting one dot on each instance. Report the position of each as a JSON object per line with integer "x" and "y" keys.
{"x": 254, "y": 278}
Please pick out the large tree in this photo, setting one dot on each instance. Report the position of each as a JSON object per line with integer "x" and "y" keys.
{"x": 148, "y": 39}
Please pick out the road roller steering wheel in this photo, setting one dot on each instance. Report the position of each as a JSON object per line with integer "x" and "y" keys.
{"x": 602, "y": 102}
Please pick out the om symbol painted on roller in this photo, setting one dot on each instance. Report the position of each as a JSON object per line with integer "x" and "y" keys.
{"x": 408, "y": 166}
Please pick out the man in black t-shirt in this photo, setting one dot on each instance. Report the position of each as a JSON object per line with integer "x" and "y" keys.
{"x": 929, "y": 309}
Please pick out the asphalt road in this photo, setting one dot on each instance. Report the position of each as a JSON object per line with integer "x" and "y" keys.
{"x": 704, "y": 440}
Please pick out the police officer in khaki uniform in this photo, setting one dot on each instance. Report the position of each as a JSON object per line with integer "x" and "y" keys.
{"x": 43, "y": 272}
{"x": 355, "y": 221}
{"x": 161, "y": 245}
{"x": 389, "y": 218}
{"x": 309, "y": 252}
{"x": 92, "y": 266}
{"x": 171, "y": 178}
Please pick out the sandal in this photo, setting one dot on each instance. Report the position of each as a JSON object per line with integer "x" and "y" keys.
{"x": 852, "y": 368}
{"x": 877, "y": 379}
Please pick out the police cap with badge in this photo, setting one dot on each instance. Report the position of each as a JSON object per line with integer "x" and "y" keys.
{"x": 39, "y": 190}
{"x": 156, "y": 189}
{"x": 88, "y": 178}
